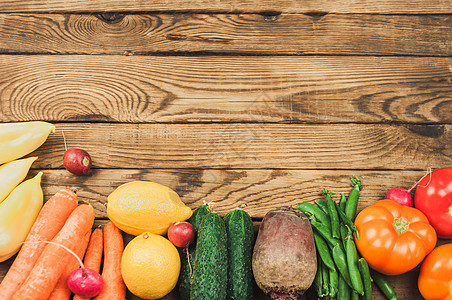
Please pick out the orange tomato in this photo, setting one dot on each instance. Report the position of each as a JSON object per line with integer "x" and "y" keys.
{"x": 435, "y": 278}
{"x": 393, "y": 238}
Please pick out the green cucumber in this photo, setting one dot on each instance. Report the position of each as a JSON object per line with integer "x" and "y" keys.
{"x": 210, "y": 267}
{"x": 186, "y": 267}
{"x": 239, "y": 227}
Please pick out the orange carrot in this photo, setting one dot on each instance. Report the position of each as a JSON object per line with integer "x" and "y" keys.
{"x": 93, "y": 256}
{"x": 52, "y": 261}
{"x": 49, "y": 222}
{"x": 61, "y": 290}
{"x": 114, "y": 287}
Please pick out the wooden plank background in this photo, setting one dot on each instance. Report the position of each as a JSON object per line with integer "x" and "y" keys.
{"x": 256, "y": 103}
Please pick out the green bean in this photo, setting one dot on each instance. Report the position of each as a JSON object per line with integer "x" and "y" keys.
{"x": 323, "y": 205}
{"x": 352, "y": 202}
{"x": 343, "y": 290}
{"x": 343, "y": 202}
{"x": 312, "y": 210}
{"x": 352, "y": 263}
{"x": 334, "y": 282}
{"x": 334, "y": 218}
{"x": 341, "y": 263}
{"x": 318, "y": 280}
{"x": 344, "y": 233}
{"x": 354, "y": 295}
{"x": 325, "y": 232}
{"x": 323, "y": 251}
{"x": 383, "y": 284}
{"x": 347, "y": 221}
{"x": 364, "y": 270}
{"x": 325, "y": 279}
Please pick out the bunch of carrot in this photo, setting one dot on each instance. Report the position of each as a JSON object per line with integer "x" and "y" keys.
{"x": 41, "y": 269}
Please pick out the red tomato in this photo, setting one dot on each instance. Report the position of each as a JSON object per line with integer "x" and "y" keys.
{"x": 434, "y": 198}
{"x": 393, "y": 239}
{"x": 435, "y": 278}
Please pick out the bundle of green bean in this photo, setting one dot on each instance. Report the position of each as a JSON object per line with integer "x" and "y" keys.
{"x": 340, "y": 273}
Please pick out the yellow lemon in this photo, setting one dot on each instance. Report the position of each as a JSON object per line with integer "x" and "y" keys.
{"x": 143, "y": 206}
{"x": 150, "y": 266}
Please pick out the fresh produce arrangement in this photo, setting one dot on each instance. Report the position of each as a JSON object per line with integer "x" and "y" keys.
{"x": 325, "y": 249}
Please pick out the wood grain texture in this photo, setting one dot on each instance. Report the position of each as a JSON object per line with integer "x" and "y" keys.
{"x": 243, "y": 33}
{"x": 225, "y": 89}
{"x": 341, "y": 6}
{"x": 258, "y": 190}
{"x": 262, "y": 146}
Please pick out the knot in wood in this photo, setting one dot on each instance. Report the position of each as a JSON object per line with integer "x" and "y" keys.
{"x": 111, "y": 18}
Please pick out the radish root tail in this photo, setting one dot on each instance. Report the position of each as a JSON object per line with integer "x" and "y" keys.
{"x": 66, "y": 248}
{"x": 189, "y": 263}
{"x": 429, "y": 172}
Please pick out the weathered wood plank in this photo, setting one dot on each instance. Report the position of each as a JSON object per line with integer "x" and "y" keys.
{"x": 258, "y": 190}
{"x": 244, "y": 33}
{"x": 225, "y": 89}
{"x": 262, "y": 146}
{"x": 364, "y": 6}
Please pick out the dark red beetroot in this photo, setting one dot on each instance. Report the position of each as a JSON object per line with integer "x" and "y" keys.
{"x": 284, "y": 257}
{"x": 77, "y": 161}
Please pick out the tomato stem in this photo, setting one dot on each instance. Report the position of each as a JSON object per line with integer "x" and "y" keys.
{"x": 450, "y": 210}
{"x": 401, "y": 225}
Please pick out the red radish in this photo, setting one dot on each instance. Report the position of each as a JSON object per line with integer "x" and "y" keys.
{"x": 401, "y": 195}
{"x": 77, "y": 161}
{"x": 85, "y": 282}
{"x": 181, "y": 234}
